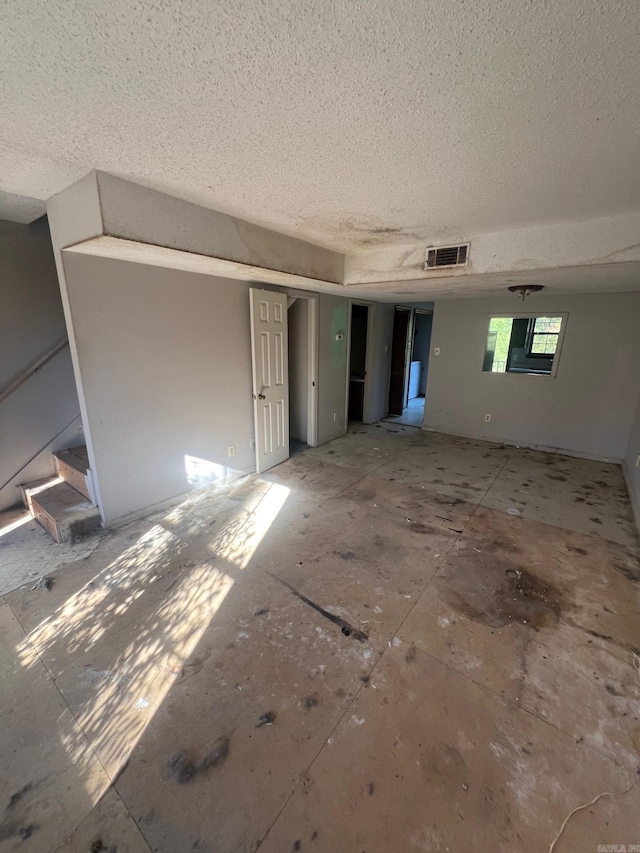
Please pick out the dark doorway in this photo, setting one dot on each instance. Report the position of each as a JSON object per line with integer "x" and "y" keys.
{"x": 298, "y": 331}
{"x": 420, "y": 350}
{"x": 399, "y": 347}
{"x": 415, "y": 376}
{"x": 357, "y": 361}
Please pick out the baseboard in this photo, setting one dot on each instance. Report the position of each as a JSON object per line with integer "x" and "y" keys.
{"x": 633, "y": 497}
{"x": 174, "y": 500}
{"x": 339, "y": 434}
{"x": 543, "y": 448}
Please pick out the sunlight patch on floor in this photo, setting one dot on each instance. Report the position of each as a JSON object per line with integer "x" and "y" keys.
{"x": 118, "y": 698}
{"x": 23, "y": 519}
{"x": 240, "y": 539}
{"x": 84, "y": 618}
{"x": 126, "y": 696}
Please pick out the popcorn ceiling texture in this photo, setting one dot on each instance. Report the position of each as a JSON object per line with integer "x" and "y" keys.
{"x": 354, "y": 125}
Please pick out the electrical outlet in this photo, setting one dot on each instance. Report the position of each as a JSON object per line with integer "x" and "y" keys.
{"x": 436, "y": 351}
{"x": 335, "y": 416}
{"x": 487, "y": 418}
{"x": 231, "y": 450}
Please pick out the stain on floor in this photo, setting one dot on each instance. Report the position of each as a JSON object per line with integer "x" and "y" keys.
{"x": 193, "y": 683}
{"x": 495, "y": 592}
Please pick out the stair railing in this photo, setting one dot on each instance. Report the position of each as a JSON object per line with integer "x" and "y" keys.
{"x": 13, "y": 386}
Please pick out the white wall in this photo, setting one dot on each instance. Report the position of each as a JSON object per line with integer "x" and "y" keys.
{"x": 101, "y": 204}
{"x": 164, "y": 358}
{"x": 165, "y": 362}
{"x": 333, "y": 319}
{"x": 134, "y": 212}
{"x": 31, "y": 319}
{"x": 632, "y": 470}
{"x": 379, "y": 353}
{"x": 43, "y": 413}
{"x": 40, "y": 417}
{"x": 587, "y": 409}
{"x": 298, "y": 318}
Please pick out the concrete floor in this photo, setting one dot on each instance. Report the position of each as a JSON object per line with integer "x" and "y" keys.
{"x": 413, "y": 415}
{"x": 27, "y": 552}
{"x": 495, "y": 690}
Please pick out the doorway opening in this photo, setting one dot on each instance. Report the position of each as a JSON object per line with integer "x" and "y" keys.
{"x": 301, "y": 317}
{"x": 410, "y": 348}
{"x": 358, "y": 361}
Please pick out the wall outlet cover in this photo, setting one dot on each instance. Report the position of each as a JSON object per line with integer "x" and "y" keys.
{"x": 436, "y": 351}
{"x": 487, "y": 418}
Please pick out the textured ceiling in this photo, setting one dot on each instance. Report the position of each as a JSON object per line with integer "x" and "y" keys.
{"x": 351, "y": 124}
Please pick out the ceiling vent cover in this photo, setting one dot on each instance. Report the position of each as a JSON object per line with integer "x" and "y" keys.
{"x": 447, "y": 256}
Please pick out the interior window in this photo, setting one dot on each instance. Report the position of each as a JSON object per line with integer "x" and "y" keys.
{"x": 543, "y": 338}
{"x": 523, "y": 344}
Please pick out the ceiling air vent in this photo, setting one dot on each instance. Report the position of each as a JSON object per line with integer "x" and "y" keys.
{"x": 447, "y": 256}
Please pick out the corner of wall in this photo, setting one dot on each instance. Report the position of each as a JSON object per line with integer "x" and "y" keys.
{"x": 634, "y": 496}
{"x": 630, "y": 469}
{"x": 325, "y": 439}
{"x": 75, "y": 215}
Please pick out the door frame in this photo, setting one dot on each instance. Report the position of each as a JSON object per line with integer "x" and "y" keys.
{"x": 408, "y": 351}
{"x": 412, "y": 334}
{"x": 407, "y": 355}
{"x": 368, "y": 361}
{"x": 312, "y": 361}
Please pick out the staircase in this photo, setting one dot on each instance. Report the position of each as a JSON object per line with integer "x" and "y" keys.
{"x": 62, "y": 504}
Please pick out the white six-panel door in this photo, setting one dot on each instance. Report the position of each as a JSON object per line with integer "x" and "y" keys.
{"x": 270, "y": 377}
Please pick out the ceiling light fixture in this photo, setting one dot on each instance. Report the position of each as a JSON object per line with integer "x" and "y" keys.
{"x": 524, "y": 290}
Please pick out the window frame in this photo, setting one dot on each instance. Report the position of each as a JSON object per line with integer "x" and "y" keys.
{"x": 531, "y": 333}
{"x": 526, "y": 315}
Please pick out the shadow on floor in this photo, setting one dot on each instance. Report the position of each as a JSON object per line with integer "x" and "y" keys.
{"x": 132, "y": 693}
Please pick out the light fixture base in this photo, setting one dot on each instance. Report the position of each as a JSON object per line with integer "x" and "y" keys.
{"x": 524, "y": 290}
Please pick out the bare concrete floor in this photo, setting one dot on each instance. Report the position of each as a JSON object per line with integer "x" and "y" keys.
{"x": 398, "y": 641}
{"x": 28, "y": 553}
{"x": 413, "y": 415}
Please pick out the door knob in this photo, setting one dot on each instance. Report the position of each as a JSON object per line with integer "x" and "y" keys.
{"x": 261, "y": 397}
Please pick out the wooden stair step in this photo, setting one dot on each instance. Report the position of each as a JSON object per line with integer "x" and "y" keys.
{"x": 28, "y": 490}
{"x": 72, "y": 466}
{"x": 64, "y": 512}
